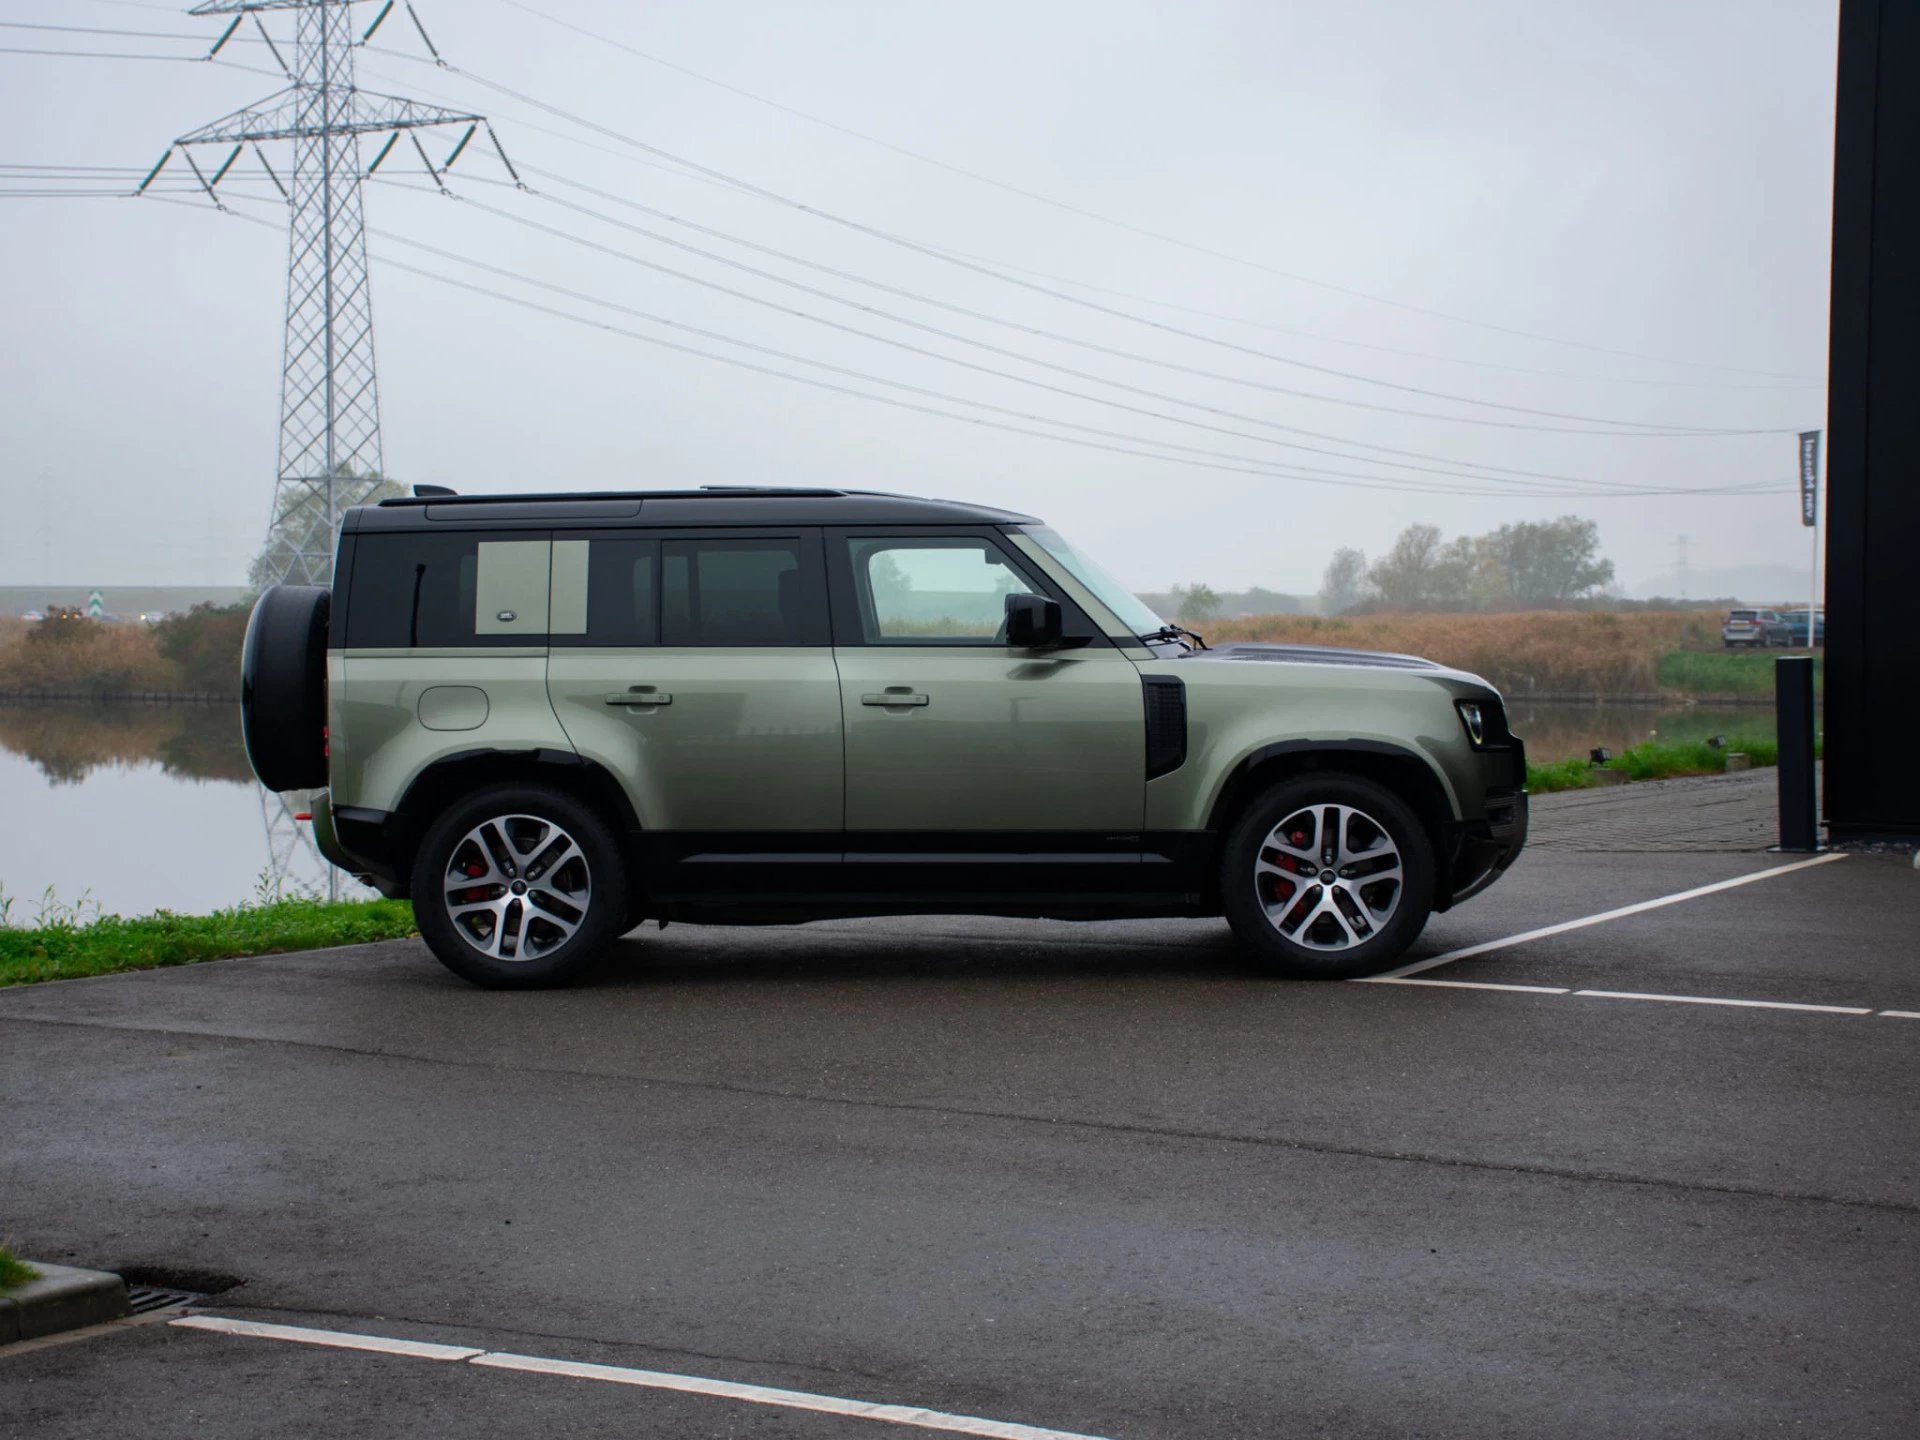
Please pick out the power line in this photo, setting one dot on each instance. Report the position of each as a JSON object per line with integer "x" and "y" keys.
{"x": 101, "y": 54}
{"x": 862, "y": 334}
{"x": 1266, "y": 471}
{"x": 1374, "y": 346}
{"x": 129, "y": 55}
{"x": 968, "y": 340}
{"x": 681, "y": 172}
{"x": 96, "y": 30}
{"x": 603, "y": 302}
{"x": 1070, "y": 208}
{"x": 918, "y": 247}
{"x": 982, "y": 316}
{"x": 1186, "y": 455}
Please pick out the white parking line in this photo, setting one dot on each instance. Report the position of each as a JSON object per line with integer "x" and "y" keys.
{"x": 1470, "y": 985}
{"x": 911, "y": 1415}
{"x": 334, "y": 1339}
{"x": 1709, "y": 1000}
{"x": 1625, "y": 910}
{"x": 1901, "y": 1014}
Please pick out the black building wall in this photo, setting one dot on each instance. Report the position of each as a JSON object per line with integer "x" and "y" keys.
{"x": 1873, "y": 420}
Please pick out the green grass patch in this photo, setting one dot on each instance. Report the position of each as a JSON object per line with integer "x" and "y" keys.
{"x": 1657, "y": 760}
{"x": 67, "y": 946}
{"x": 1726, "y": 672}
{"x": 1559, "y": 775}
{"x": 14, "y": 1272}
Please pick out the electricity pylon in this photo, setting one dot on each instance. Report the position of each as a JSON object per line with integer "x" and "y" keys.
{"x": 329, "y": 397}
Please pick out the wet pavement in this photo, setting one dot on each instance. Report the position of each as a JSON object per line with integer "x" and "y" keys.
{"x": 1656, "y": 1175}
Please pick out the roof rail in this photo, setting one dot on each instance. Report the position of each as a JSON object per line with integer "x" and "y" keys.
{"x": 440, "y": 495}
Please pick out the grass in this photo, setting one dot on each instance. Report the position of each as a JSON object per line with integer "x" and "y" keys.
{"x": 1655, "y": 760}
{"x": 1725, "y": 672}
{"x": 14, "y": 1272}
{"x": 68, "y": 942}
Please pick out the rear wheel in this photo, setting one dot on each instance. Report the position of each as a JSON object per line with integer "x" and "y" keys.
{"x": 1327, "y": 876}
{"x": 519, "y": 886}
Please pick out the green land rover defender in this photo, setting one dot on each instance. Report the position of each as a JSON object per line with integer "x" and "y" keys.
{"x": 546, "y": 718}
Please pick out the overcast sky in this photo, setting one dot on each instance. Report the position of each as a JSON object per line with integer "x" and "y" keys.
{"x": 1625, "y": 179}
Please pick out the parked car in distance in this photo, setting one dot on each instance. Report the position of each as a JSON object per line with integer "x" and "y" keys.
{"x": 545, "y": 718}
{"x": 1755, "y": 628}
{"x": 1796, "y": 621}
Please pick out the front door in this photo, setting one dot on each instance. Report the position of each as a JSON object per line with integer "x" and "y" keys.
{"x": 697, "y": 669}
{"x": 958, "y": 744}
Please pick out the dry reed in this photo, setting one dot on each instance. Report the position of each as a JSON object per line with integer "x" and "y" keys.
{"x": 85, "y": 655}
{"x": 1529, "y": 653}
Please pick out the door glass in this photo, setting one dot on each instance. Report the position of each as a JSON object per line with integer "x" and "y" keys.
{"x": 933, "y": 591}
{"x": 605, "y": 592}
{"x": 738, "y": 592}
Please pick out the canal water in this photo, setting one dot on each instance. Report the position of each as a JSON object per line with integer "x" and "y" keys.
{"x": 131, "y": 809}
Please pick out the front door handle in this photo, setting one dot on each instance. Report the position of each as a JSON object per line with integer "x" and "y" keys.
{"x": 902, "y": 696}
{"x": 640, "y": 695}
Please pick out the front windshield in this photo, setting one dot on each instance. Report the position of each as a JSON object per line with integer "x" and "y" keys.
{"x": 1107, "y": 590}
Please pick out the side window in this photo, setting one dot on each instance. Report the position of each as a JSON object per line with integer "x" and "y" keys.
{"x": 731, "y": 592}
{"x": 439, "y": 590}
{"x": 932, "y": 591}
{"x": 606, "y": 592}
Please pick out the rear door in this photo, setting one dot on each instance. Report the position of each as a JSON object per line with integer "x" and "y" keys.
{"x": 697, "y": 668}
{"x": 445, "y": 651}
{"x": 958, "y": 744}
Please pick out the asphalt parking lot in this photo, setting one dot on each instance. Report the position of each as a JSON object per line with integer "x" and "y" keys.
{"x": 1096, "y": 1179}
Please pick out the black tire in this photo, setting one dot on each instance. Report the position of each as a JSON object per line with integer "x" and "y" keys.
{"x": 509, "y": 929}
{"x": 283, "y": 687}
{"x": 1368, "y": 929}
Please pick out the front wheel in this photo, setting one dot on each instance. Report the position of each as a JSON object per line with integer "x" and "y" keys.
{"x": 1327, "y": 876}
{"x": 519, "y": 886}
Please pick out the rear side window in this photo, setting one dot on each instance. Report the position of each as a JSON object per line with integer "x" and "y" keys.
{"x": 735, "y": 592}
{"x": 421, "y": 590}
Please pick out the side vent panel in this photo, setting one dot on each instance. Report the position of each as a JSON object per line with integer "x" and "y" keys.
{"x": 1166, "y": 700}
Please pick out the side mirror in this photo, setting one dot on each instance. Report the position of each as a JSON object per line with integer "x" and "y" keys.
{"x": 1033, "y": 622}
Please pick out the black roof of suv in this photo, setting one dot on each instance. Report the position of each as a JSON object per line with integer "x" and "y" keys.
{"x": 705, "y": 507}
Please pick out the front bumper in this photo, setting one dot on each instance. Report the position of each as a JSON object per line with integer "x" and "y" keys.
{"x": 1479, "y": 851}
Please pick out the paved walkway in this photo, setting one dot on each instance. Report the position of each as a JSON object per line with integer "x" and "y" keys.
{"x": 1711, "y": 812}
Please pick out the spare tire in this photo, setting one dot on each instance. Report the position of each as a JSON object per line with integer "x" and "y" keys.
{"x": 283, "y": 687}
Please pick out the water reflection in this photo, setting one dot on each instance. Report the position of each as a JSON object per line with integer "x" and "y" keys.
{"x": 67, "y": 743}
{"x": 141, "y": 808}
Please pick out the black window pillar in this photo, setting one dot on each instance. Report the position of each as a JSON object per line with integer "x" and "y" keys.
{"x": 1873, "y": 419}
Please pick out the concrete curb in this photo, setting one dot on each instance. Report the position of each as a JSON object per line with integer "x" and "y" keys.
{"x": 61, "y": 1299}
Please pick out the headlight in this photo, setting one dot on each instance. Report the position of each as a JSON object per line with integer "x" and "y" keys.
{"x": 1475, "y": 721}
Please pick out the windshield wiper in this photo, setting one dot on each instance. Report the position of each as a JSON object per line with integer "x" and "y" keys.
{"x": 1178, "y": 635}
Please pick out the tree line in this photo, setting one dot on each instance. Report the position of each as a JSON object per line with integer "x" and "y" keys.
{"x": 1529, "y": 565}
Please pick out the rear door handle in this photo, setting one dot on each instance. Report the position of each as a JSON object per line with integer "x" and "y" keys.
{"x": 640, "y": 695}
{"x": 901, "y": 696}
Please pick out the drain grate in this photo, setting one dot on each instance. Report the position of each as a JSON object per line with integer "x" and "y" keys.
{"x": 143, "y": 1299}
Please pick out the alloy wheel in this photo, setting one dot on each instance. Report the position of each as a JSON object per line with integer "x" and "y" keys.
{"x": 517, "y": 887}
{"x": 1329, "y": 877}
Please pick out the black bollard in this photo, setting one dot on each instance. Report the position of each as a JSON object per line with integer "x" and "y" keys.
{"x": 1793, "y": 711}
